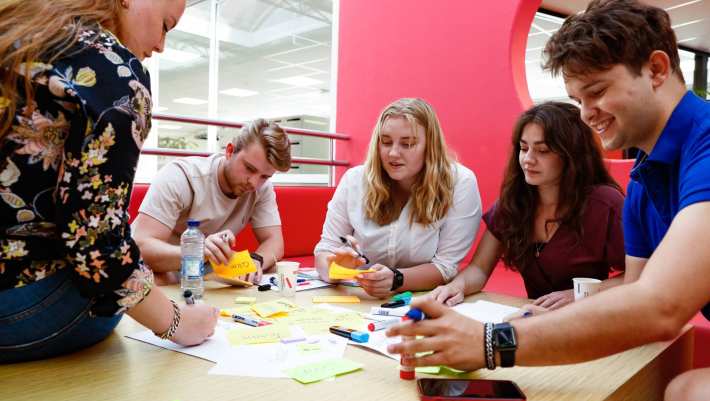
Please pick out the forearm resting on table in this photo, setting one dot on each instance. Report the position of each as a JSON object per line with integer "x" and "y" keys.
{"x": 271, "y": 250}
{"x": 473, "y": 279}
{"x": 159, "y": 255}
{"x": 612, "y": 321}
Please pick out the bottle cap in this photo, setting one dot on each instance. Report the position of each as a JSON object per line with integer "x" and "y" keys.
{"x": 193, "y": 223}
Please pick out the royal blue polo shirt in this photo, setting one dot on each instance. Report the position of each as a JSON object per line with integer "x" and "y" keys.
{"x": 675, "y": 174}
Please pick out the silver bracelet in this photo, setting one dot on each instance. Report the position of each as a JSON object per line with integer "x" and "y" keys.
{"x": 170, "y": 332}
{"x": 488, "y": 342}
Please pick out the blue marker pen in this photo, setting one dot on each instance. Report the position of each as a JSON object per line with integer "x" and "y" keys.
{"x": 357, "y": 336}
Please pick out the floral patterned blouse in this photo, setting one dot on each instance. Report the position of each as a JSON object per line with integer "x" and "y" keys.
{"x": 66, "y": 171}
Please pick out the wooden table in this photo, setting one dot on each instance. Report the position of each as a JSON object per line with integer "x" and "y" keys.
{"x": 124, "y": 369}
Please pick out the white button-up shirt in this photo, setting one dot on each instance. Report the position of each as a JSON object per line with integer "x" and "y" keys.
{"x": 444, "y": 243}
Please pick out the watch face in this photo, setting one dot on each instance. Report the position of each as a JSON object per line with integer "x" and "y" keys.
{"x": 505, "y": 337}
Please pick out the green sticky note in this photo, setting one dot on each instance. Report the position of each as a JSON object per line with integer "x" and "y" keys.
{"x": 432, "y": 370}
{"x": 313, "y": 372}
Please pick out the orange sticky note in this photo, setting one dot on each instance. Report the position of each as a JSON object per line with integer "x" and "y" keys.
{"x": 342, "y": 299}
{"x": 239, "y": 265}
{"x": 337, "y": 272}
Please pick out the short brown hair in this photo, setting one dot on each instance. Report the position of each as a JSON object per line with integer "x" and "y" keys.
{"x": 272, "y": 138}
{"x": 611, "y": 32}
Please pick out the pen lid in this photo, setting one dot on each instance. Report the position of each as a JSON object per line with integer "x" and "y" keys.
{"x": 403, "y": 295}
{"x": 415, "y": 314}
{"x": 359, "y": 336}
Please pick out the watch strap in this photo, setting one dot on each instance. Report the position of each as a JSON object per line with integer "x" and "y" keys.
{"x": 257, "y": 257}
{"x": 397, "y": 280}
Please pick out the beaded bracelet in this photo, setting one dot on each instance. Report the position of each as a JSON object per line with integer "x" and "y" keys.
{"x": 170, "y": 332}
{"x": 488, "y": 342}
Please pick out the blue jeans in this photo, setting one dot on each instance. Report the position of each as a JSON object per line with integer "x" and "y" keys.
{"x": 48, "y": 318}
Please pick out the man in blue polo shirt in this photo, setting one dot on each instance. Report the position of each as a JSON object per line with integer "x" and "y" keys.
{"x": 620, "y": 63}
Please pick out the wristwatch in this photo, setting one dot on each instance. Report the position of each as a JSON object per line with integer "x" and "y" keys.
{"x": 397, "y": 280}
{"x": 505, "y": 343}
{"x": 257, "y": 257}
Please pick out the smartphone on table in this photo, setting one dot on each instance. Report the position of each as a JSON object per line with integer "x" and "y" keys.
{"x": 469, "y": 389}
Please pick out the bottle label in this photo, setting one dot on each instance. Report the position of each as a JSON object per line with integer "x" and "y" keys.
{"x": 191, "y": 267}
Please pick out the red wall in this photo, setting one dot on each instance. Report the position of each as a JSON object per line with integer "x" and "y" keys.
{"x": 464, "y": 57}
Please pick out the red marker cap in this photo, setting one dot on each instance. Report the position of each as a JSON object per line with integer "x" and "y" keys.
{"x": 407, "y": 374}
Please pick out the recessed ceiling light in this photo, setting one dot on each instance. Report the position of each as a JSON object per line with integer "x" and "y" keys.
{"x": 238, "y": 92}
{"x": 178, "y": 56}
{"x": 298, "y": 80}
{"x": 190, "y": 100}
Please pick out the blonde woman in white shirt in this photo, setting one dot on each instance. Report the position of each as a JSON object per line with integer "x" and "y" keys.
{"x": 411, "y": 209}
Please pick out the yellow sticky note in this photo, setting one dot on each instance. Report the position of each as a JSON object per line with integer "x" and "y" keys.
{"x": 342, "y": 299}
{"x": 272, "y": 333}
{"x": 244, "y": 300}
{"x": 273, "y": 308}
{"x": 239, "y": 264}
{"x": 337, "y": 272}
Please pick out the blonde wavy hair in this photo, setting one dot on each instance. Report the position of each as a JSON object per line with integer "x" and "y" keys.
{"x": 432, "y": 192}
{"x": 41, "y": 30}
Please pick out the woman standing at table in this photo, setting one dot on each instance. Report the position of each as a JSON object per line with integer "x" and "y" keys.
{"x": 410, "y": 209}
{"x": 74, "y": 112}
{"x": 558, "y": 215}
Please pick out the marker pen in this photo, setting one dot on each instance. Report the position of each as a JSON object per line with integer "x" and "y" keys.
{"x": 396, "y": 304}
{"x": 382, "y": 324}
{"x": 357, "y": 336}
{"x": 407, "y": 372}
{"x": 249, "y": 321}
{"x": 387, "y": 311}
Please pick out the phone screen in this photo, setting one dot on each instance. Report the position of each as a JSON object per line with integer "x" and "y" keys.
{"x": 471, "y": 389}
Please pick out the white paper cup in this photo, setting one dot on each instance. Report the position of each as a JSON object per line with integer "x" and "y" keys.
{"x": 585, "y": 287}
{"x": 284, "y": 265}
{"x": 286, "y": 271}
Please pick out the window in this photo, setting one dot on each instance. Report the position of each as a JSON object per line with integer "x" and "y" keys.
{"x": 238, "y": 60}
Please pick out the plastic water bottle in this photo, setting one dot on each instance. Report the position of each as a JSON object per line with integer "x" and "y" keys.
{"x": 192, "y": 246}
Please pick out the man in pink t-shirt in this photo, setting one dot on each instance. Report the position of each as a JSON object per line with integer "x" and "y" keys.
{"x": 224, "y": 192}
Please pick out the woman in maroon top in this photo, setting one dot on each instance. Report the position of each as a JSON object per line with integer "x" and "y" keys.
{"x": 558, "y": 216}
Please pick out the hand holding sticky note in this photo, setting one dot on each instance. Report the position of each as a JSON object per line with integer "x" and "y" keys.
{"x": 337, "y": 272}
{"x": 239, "y": 264}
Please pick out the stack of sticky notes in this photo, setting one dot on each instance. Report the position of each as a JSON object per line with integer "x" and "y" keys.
{"x": 334, "y": 299}
{"x": 239, "y": 265}
{"x": 337, "y": 272}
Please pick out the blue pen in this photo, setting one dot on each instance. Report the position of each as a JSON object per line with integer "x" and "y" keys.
{"x": 273, "y": 282}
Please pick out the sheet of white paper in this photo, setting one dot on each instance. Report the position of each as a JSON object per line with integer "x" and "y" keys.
{"x": 313, "y": 282}
{"x": 270, "y": 360}
{"x": 485, "y": 311}
{"x": 210, "y": 350}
